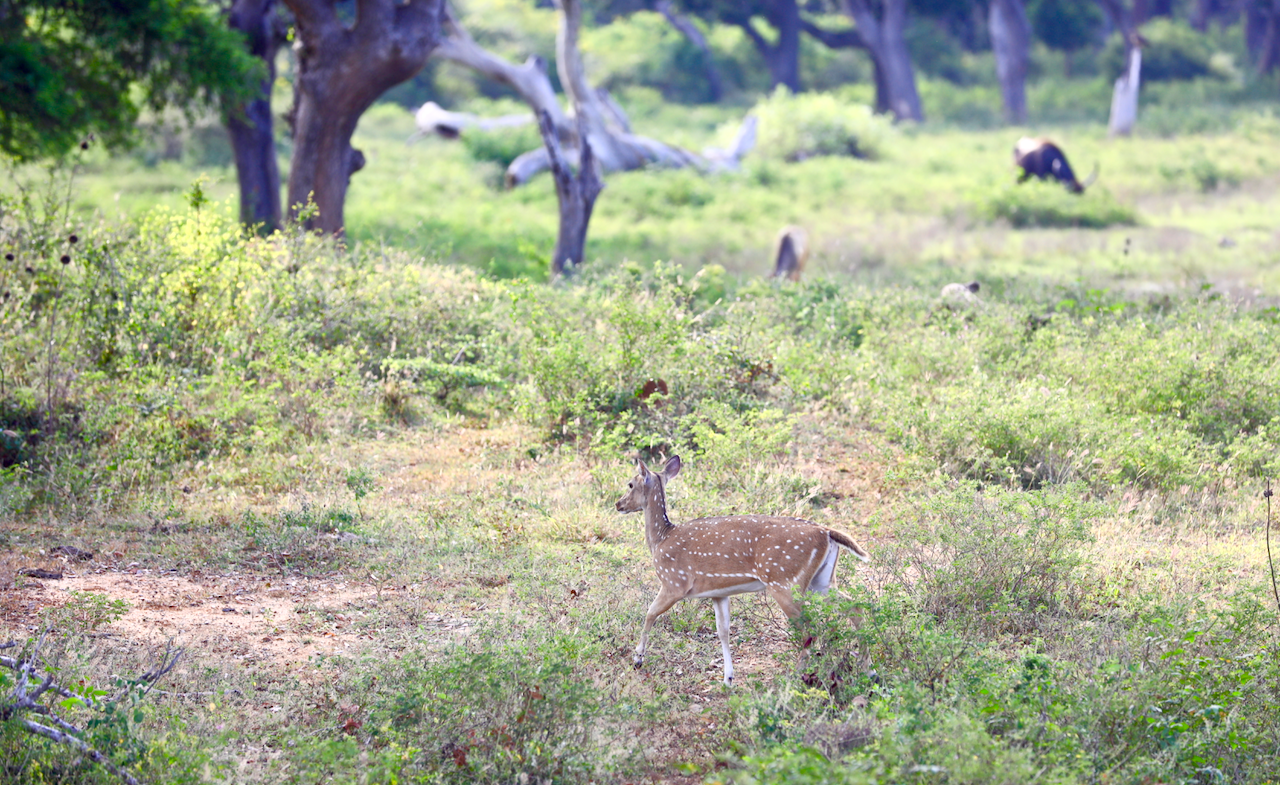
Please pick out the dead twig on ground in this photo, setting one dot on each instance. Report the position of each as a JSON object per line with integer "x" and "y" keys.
{"x": 1271, "y": 562}
{"x": 32, "y": 682}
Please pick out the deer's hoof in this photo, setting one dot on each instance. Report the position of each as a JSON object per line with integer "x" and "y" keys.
{"x": 637, "y": 663}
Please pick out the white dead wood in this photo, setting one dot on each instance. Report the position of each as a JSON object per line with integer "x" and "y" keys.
{"x": 608, "y": 130}
{"x": 432, "y": 118}
{"x": 1124, "y": 101}
{"x": 737, "y": 554}
{"x": 28, "y": 698}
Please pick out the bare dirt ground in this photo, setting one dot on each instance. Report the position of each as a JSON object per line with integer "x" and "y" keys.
{"x": 281, "y": 625}
{"x": 239, "y": 617}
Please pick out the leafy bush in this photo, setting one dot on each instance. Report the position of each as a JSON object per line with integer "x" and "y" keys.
{"x": 889, "y": 693}
{"x": 494, "y": 713}
{"x": 1049, "y": 204}
{"x": 1174, "y": 52}
{"x": 501, "y": 145}
{"x": 1107, "y": 392}
{"x": 643, "y": 49}
{"x": 970, "y": 555}
{"x": 795, "y": 127}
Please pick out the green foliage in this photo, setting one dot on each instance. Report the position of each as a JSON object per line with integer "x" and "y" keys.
{"x": 1000, "y": 553}
{"x": 1037, "y": 204}
{"x": 1174, "y": 52}
{"x": 889, "y": 691}
{"x": 795, "y": 127}
{"x": 70, "y": 69}
{"x": 1106, "y": 391}
{"x": 501, "y": 145}
{"x": 645, "y": 50}
{"x": 490, "y": 713}
{"x": 84, "y": 612}
{"x": 1067, "y": 25}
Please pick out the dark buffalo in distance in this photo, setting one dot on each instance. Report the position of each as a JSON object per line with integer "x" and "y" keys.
{"x": 1041, "y": 158}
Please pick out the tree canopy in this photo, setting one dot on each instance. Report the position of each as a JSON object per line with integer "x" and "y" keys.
{"x": 72, "y": 67}
{"x": 1066, "y": 25}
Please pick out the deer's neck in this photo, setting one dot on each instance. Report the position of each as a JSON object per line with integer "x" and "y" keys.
{"x": 656, "y": 524}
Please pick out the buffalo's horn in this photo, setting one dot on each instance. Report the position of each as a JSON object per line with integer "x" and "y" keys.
{"x": 1088, "y": 181}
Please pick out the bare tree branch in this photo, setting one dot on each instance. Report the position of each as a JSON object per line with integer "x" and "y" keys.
{"x": 30, "y": 686}
{"x": 834, "y": 39}
{"x": 689, "y": 30}
{"x": 607, "y": 129}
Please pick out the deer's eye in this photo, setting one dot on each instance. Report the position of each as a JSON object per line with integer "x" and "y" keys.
{"x": 631, "y": 484}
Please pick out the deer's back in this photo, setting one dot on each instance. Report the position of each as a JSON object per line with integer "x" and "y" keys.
{"x": 750, "y": 537}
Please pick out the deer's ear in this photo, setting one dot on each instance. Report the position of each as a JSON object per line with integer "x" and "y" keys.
{"x": 644, "y": 470}
{"x": 672, "y": 468}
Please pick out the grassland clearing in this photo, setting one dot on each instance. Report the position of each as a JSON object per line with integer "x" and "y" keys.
{"x": 397, "y": 466}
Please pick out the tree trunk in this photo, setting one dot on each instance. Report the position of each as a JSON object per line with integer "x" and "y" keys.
{"x": 576, "y": 194}
{"x": 689, "y": 30}
{"x": 1200, "y": 15}
{"x": 1124, "y": 100}
{"x": 786, "y": 65}
{"x": 249, "y": 126}
{"x": 1268, "y": 56}
{"x": 895, "y": 78}
{"x": 1255, "y": 28}
{"x": 1011, "y": 44}
{"x": 782, "y": 58}
{"x": 341, "y": 71}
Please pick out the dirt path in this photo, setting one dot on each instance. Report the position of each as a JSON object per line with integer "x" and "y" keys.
{"x": 245, "y": 617}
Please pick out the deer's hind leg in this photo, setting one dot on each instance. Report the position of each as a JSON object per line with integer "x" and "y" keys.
{"x": 660, "y": 605}
{"x": 781, "y": 594}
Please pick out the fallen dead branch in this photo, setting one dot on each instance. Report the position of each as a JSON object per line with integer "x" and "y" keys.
{"x": 35, "y": 693}
{"x": 608, "y": 130}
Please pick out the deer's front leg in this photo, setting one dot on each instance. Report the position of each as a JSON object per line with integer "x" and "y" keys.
{"x": 660, "y": 605}
{"x": 722, "y": 627}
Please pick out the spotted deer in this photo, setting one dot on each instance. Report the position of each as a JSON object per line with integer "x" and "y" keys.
{"x": 735, "y": 554}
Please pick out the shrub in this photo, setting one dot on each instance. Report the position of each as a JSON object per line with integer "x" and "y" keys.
{"x": 1049, "y": 204}
{"x": 501, "y": 712}
{"x": 501, "y": 145}
{"x": 974, "y": 554}
{"x": 1174, "y": 52}
{"x": 795, "y": 127}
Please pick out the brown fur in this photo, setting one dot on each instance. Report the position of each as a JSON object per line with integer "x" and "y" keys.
{"x": 1041, "y": 158}
{"x": 790, "y": 252}
{"x": 722, "y": 556}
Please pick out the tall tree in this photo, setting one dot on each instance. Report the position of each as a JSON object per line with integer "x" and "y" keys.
{"x": 71, "y": 68}
{"x": 342, "y": 69}
{"x": 883, "y": 36}
{"x": 689, "y": 30}
{"x": 249, "y": 124}
{"x": 782, "y": 56}
{"x": 1200, "y": 14}
{"x": 1124, "y": 98}
{"x": 1262, "y": 32}
{"x": 1066, "y": 25}
{"x": 1011, "y": 44}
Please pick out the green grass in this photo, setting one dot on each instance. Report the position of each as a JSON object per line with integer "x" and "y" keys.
{"x": 413, "y": 448}
{"x": 937, "y": 200}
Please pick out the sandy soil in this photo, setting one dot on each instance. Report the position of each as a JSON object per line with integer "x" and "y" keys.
{"x": 253, "y": 618}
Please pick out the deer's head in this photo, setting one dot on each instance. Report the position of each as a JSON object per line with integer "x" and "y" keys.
{"x": 648, "y": 485}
